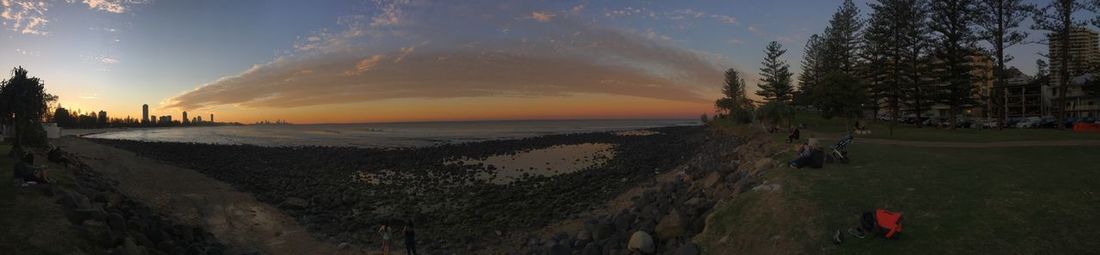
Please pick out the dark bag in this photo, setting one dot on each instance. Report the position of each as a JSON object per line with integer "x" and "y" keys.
{"x": 817, "y": 158}
{"x": 867, "y": 222}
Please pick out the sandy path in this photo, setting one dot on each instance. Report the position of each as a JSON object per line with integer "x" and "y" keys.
{"x": 1002, "y": 144}
{"x": 234, "y": 217}
{"x": 980, "y": 144}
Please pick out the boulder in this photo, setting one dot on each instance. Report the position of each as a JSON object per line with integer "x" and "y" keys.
{"x": 592, "y": 249}
{"x": 688, "y": 249}
{"x": 584, "y": 235}
{"x": 295, "y": 203}
{"x": 671, "y": 226}
{"x": 641, "y": 242}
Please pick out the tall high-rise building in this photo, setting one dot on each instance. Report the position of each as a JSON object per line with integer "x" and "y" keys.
{"x": 1084, "y": 54}
{"x": 102, "y": 118}
{"x": 185, "y": 120}
{"x": 153, "y": 118}
{"x": 145, "y": 113}
{"x": 211, "y": 117}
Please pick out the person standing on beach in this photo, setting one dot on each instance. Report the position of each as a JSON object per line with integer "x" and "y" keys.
{"x": 410, "y": 239}
{"x": 385, "y": 232}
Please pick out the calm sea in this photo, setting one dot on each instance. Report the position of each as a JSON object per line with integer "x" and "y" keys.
{"x": 382, "y": 134}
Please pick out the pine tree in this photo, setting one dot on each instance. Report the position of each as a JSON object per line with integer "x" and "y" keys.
{"x": 999, "y": 20}
{"x": 775, "y": 75}
{"x": 842, "y": 39}
{"x": 734, "y": 101}
{"x": 894, "y": 45}
{"x": 955, "y": 46}
{"x": 1057, "y": 18}
{"x": 812, "y": 67}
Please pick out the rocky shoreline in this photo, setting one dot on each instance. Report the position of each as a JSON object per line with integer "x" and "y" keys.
{"x": 119, "y": 224}
{"x": 453, "y": 210}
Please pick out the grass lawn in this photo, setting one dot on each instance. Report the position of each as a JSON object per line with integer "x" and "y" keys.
{"x": 881, "y": 129}
{"x": 30, "y": 222}
{"x": 1041, "y": 200}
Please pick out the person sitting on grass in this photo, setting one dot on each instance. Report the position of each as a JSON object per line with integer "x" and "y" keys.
{"x": 808, "y": 155}
{"x": 25, "y": 171}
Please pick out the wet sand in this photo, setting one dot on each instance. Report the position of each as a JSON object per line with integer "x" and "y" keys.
{"x": 555, "y": 160}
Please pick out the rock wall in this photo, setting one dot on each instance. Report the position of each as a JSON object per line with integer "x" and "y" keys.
{"x": 118, "y": 224}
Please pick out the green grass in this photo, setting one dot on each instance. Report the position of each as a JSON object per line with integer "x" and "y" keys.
{"x": 991, "y": 201}
{"x": 881, "y": 129}
{"x": 30, "y": 222}
{"x": 955, "y": 201}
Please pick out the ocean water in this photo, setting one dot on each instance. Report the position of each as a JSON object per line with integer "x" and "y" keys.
{"x": 411, "y": 134}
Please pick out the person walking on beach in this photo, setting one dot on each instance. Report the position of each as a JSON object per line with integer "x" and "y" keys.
{"x": 410, "y": 239}
{"x": 385, "y": 232}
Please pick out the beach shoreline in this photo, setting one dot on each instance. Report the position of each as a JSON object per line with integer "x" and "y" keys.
{"x": 453, "y": 211}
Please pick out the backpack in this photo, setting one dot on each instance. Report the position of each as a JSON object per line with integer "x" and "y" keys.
{"x": 882, "y": 222}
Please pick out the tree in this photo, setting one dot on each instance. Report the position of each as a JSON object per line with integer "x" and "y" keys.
{"x": 1057, "y": 18}
{"x": 955, "y": 47}
{"x": 999, "y": 20}
{"x": 841, "y": 97}
{"x": 63, "y": 118}
{"x": 775, "y": 75}
{"x": 734, "y": 102}
{"x": 774, "y": 112}
{"x": 842, "y": 39}
{"x": 25, "y": 102}
{"x": 812, "y": 67}
{"x": 1041, "y": 68}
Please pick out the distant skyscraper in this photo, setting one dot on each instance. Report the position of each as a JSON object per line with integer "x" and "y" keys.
{"x": 185, "y": 120}
{"x": 145, "y": 113}
{"x": 153, "y": 118}
{"x": 199, "y": 118}
{"x": 102, "y": 117}
{"x": 211, "y": 117}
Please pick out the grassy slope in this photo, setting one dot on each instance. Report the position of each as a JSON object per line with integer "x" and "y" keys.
{"x": 30, "y": 222}
{"x": 1004, "y": 200}
{"x": 906, "y": 132}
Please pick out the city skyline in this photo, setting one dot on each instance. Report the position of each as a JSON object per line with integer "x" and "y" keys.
{"x": 392, "y": 61}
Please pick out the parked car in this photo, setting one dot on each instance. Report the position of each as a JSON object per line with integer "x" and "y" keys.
{"x": 1011, "y": 122}
{"x": 1068, "y": 122}
{"x": 1049, "y": 122}
{"x": 1030, "y": 122}
{"x": 990, "y": 123}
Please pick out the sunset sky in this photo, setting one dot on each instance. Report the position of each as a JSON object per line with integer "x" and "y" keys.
{"x": 403, "y": 60}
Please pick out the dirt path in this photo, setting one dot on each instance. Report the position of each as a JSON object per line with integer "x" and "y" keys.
{"x": 980, "y": 144}
{"x": 1003, "y": 144}
{"x": 234, "y": 217}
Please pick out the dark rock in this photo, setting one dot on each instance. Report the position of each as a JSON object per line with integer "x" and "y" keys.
{"x": 688, "y": 249}
{"x": 117, "y": 223}
{"x": 592, "y": 249}
{"x": 295, "y": 203}
{"x": 670, "y": 227}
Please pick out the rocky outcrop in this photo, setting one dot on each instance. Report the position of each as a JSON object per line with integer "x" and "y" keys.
{"x": 120, "y": 225}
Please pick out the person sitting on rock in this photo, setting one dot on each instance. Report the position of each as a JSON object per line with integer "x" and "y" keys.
{"x": 25, "y": 171}
{"x": 794, "y": 136}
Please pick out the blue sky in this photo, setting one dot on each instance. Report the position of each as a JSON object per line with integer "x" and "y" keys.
{"x": 252, "y": 60}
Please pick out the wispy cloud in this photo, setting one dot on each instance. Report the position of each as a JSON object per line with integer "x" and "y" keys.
{"x": 25, "y": 17}
{"x": 542, "y": 16}
{"x": 556, "y": 57}
{"x": 112, "y": 6}
{"x": 108, "y": 60}
{"x": 30, "y": 16}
